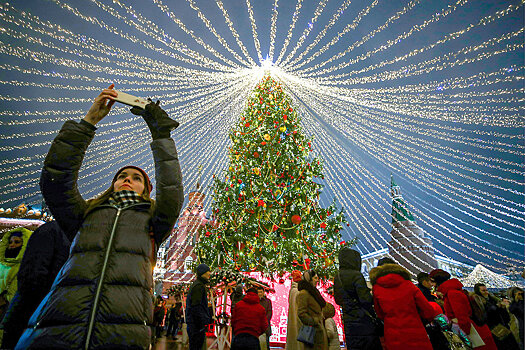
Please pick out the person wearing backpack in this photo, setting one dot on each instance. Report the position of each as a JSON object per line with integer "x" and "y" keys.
{"x": 458, "y": 309}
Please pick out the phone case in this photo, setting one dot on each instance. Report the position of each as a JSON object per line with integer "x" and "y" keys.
{"x": 130, "y": 100}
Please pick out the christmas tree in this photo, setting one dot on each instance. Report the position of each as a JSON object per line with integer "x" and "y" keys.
{"x": 266, "y": 211}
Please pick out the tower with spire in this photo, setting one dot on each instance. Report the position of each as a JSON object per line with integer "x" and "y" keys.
{"x": 180, "y": 256}
{"x": 409, "y": 245}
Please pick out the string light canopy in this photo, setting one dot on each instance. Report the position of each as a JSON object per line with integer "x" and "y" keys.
{"x": 429, "y": 91}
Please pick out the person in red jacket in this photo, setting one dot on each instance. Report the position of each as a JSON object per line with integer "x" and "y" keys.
{"x": 401, "y": 305}
{"x": 248, "y": 322}
{"x": 457, "y": 307}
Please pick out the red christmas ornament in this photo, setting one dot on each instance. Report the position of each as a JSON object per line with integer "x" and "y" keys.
{"x": 342, "y": 243}
{"x": 208, "y": 233}
{"x": 260, "y": 203}
{"x": 296, "y": 219}
{"x": 323, "y": 225}
{"x": 263, "y": 143}
{"x": 274, "y": 244}
{"x": 256, "y": 154}
{"x": 247, "y": 125}
{"x": 274, "y": 228}
{"x": 281, "y": 281}
{"x": 240, "y": 181}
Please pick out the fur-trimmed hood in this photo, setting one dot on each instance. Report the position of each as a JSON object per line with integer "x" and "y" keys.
{"x": 379, "y": 275}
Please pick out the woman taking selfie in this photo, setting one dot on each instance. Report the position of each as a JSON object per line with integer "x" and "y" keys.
{"x": 102, "y": 297}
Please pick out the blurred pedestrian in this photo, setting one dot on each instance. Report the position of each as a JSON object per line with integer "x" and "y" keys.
{"x": 102, "y": 296}
{"x": 401, "y": 305}
{"x": 267, "y": 304}
{"x": 331, "y": 328}
{"x": 198, "y": 315}
{"x": 158, "y": 317}
{"x": 457, "y": 307}
{"x": 248, "y": 322}
{"x": 174, "y": 318}
{"x": 12, "y": 248}
{"x": 353, "y": 295}
{"x": 310, "y": 304}
{"x": 498, "y": 317}
{"x": 294, "y": 324}
{"x": 236, "y": 295}
{"x": 425, "y": 286}
{"x": 47, "y": 250}
{"x": 516, "y": 309}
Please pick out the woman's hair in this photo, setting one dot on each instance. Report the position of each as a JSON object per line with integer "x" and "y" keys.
{"x": 104, "y": 196}
{"x": 308, "y": 275}
{"x": 476, "y": 288}
{"x": 512, "y": 291}
{"x": 328, "y": 311}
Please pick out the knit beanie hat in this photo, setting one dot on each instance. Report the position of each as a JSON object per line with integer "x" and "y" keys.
{"x": 147, "y": 182}
{"x": 296, "y": 275}
{"x": 439, "y": 276}
{"x": 202, "y": 269}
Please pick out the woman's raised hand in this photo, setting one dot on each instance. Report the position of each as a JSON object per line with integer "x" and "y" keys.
{"x": 101, "y": 106}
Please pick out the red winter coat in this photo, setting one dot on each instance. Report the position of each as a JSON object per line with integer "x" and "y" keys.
{"x": 249, "y": 316}
{"x": 401, "y": 305}
{"x": 457, "y": 305}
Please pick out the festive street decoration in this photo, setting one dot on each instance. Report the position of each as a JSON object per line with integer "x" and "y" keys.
{"x": 266, "y": 209}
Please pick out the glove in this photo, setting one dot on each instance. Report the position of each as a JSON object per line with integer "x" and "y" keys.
{"x": 157, "y": 119}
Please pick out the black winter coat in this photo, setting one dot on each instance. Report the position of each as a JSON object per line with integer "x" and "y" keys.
{"x": 353, "y": 295}
{"x": 102, "y": 297}
{"x": 47, "y": 250}
{"x": 197, "y": 312}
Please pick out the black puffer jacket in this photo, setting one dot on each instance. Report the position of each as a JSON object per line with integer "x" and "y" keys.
{"x": 102, "y": 297}
{"x": 47, "y": 250}
{"x": 353, "y": 295}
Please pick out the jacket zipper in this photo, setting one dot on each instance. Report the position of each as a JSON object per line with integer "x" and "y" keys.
{"x": 101, "y": 279}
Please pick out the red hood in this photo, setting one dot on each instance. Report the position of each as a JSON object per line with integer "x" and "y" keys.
{"x": 390, "y": 281}
{"x": 451, "y": 284}
{"x": 251, "y": 298}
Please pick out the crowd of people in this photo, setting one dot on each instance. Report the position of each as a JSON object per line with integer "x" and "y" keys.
{"x": 85, "y": 281}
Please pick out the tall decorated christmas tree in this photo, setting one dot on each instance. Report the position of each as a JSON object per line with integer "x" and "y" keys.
{"x": 266, "y": 210}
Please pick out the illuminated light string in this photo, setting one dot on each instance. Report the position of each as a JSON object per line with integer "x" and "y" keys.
{"x": 370, "y": 35}
{"x": 196, "y": 58}
{"x": 273, "y": 30}
{"x": 367, "y": 120}
{"x": 358, "y": 183}
{"x": 217, "y": 35}
{"x": 417, "y": 28}
{"x": 406, "y": 72}
{"x": 451, "y": 36}
{"x": 349, "y": 27}
{"x": 346, "y": 127}
{"x": 254, "y": 30}
{"x": 419, "y": 68}
{"x": 516, "y": 242}
{"x": 182, "y": 26}
{"x": 318, "y": 11}
{"x": 295, "y": 16}
{"x": 319, "y": 36}
{"x": 437, "y": 179}
{"x": 34, "y": 24}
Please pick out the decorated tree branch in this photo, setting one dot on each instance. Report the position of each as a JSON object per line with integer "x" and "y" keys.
{"x": 267, "y": 215}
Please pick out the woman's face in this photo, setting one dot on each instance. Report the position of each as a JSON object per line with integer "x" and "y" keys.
{"x": 15, "y": 242}
{"x": 129, "y": 179}
{"x": 315, "y": 279}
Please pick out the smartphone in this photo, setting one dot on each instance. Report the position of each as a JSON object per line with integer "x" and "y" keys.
{"x": 130, "y": 100}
